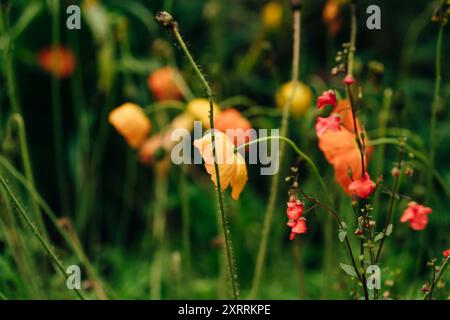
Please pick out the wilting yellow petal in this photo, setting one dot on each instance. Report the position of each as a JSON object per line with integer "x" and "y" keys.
{"x": 232, "y": 168}
{"x": 131, "y": 122}
{"x": 199, "y": 108}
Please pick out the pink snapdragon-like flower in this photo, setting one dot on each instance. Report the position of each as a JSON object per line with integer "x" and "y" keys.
{"x": 327, "y": 98}
{"x": 332, "y": 123}
{"x": 349, "y": 80}
{"x": 363, "y": 187}
{"x": 445, "y": 253}
{"x": 417, "y": 216}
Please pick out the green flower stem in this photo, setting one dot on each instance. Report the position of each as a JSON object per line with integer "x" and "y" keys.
{"x": 164, "y": 105}
{"x": 436, "y": 101}
{"x": 167, "y": 20}
{"x": 268, "y": 217}
{"x": 47, "y": 247}
{"x": 57, "y": 116}
{"x": 391, "y": 204}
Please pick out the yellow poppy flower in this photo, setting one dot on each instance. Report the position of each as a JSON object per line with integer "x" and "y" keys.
{"x": 131, "y": 122}
{"x": 199, "y": 108}
{"x": 232, "y": 168}
{"x": 272, "y": 15}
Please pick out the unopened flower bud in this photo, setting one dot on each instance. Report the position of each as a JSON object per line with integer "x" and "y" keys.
{"x": 409, "y": 171}
{"x": 395, "y": 172}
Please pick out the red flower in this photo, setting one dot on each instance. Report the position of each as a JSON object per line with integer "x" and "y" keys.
{"x": 363, "y": 187}
{"x": 162, "y": 84}
{"x": 234, "y": 125}
{"x": 327, "y": 98}
{"x": 417, "y": 215}
{"x": 330, "y": 123}
{"x": 296, "y": 221}
{"x": 294, "y": 209}
{"x": 349, "y": 80}
{"x": 299, "y": 227}
{"x": 445, "y": 253}
{"x": 59, "y": 61}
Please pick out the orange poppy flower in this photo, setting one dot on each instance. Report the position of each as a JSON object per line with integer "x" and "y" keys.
{"x": 232, "y": 168}
{"x": 332, "y": 16}
{"x": 231, "y": 119}
{"x": 58, "y": 61}
{"x": 162, "y": 84}
{"x": 131, "y": 122}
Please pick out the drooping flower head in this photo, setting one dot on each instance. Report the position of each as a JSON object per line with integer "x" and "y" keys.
{"x": 234, "y": 125}
{"x": 417, "y": 216}
{"x": 327, "y": 98}
{"x": 131, "y": 122}
{"x": 58, "y": 61}
{"x": 232, "y": 168}
{"x": 332, "y": 123}
{"x": 162, "y": 84}
{"x": 298, "y": 227}
{"x": 294, "y": 209}
{"x": 362, "y": 187}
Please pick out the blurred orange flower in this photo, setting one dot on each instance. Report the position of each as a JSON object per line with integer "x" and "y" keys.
{"x": 162, "y": 84}
{"x": 332, "y": 16}
{"x": 162, "y": 141}
{"x": 58, "y": 61}
{"x": 131, "y": 122}
{"x": 232, "y": 168}
{"x": 362, "y": 187}
{"x": 232, "y": 119}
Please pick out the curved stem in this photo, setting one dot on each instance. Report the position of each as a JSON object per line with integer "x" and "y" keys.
{"x": 173, "y": 25}
{"x": 437, "y": 277}
{"x": 297, "y": 150}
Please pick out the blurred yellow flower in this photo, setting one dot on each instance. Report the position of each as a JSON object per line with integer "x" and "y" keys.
{"x": 272, "y": 15}
{"x": 232, "y": 168}
{"x": 199, "y": 108}
{"x": 131, "y": 122}
{"x": 300, "y": 102}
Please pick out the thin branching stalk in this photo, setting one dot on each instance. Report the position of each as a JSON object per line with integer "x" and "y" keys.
{"x": 268, "y": 217}
{"x": 391, "y": 204}
{"x": 167, "y": 21}
{"x": 437, "y": 277}
{"x": 47, "y": 247}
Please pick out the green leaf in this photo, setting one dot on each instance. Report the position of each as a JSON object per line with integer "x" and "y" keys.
{"x": 379, "y": 236}
{"x": 389, "y": 230}
{"x": 349, "y": 270}
{"x": 342, "y": 234}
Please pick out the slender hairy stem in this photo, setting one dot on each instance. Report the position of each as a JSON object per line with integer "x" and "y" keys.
{"x": 36, "y": 232}
{"x": 391, "y": 204}
{"x": 436, "y": 101}
{"x": 437, "y": 277}
{"x": 18, "y": 120}
{"x": 268, "y": 217}
{"x": 56, "y": 114}
{"x": 167, "y": 20}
